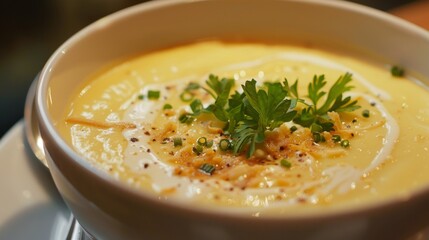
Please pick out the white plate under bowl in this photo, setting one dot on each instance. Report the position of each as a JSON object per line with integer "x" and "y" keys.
{"x": 30, "y": 206}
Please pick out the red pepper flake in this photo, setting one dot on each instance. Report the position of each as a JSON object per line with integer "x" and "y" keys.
{"x": 133, "y": 139}
{"x": 147, "y": 133}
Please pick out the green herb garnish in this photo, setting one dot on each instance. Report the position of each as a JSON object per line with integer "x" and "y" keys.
{"x": 186, "y": 96}
{"x": 202, "y": 141}
{"x": 315, "y": 115}
{"x": 207, "y": 168}
{"x": 153, "y": 94}
{"x": 177, "y": 142}
{"x": 365, "y": 113}
{"x": 225, "y": 145}
{"x": 264, "y": 110}
{"x": 250, "y": 114}
{"x": 345, "y": 143}
{"x": 198, "y": 149}
{"x": 397, "y": 71}
{"x": 167, "y": 106}
{"x": 196, "y": 106}
{"x": 209, "y": 144}
{"x": 285, "y": 163}
{"x": 336, "y": 138}
{"x": 318, "y": 137}
{"x": 186, "y": 118}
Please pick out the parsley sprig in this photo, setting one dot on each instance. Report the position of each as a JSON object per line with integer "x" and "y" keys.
{"x": 264, "y": 110}
{"x": 250, "y": 114}
{"x": 315, "y": 115}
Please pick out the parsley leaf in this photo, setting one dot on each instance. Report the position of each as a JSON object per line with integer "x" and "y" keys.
{"x": 315, "y": 115}
{"x": 264, "y": 110}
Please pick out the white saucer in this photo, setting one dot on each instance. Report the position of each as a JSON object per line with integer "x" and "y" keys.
{"x": 30, "y": 206}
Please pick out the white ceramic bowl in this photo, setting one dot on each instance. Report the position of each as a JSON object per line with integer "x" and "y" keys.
{"x": 111, "y": 210}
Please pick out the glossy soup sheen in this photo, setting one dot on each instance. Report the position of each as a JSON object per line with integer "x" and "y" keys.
{"x": 112, "y": 123}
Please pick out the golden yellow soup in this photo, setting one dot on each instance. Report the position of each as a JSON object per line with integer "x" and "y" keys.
{"x": 117, "y": 126}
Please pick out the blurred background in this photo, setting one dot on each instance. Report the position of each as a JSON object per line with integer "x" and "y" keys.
{"x": 31, "y": 30}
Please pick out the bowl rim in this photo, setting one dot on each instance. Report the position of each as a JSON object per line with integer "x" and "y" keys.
{"x": 182, "y": 208}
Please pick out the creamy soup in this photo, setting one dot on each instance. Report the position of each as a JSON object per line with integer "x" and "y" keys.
{"x": 140, "y": 122}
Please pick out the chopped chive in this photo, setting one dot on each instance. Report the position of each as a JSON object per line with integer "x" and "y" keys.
{"x": 336, "y": 138}
{"x": 225, "y": 133}
{"x": 198, "y": 149}
{"x": 207, "y": 168}
{"x": 186, "y": 118}
{"x": 317, "y": 137}
{"x": 153, "y": 94}
{"x": 293, "y": 129}
{"x": 285, "y": 163}
{"x": 177, "y": 141}
{"x": 397, "y": 71}
{"x": 224, "y": 144}
{"x": 192, "y": 86}
{"x": 167, "y": 106}
{"x": 209, "y": 143}
{"x": 140, "y": 96}
{"x": 365, "y": 113}
{"x": 345, "y": 143}
{"x": 202, "y": 141}
{"x": 186, "y": 96}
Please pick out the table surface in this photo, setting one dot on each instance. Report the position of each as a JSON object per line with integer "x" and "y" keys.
{"x": 417, "y": 13}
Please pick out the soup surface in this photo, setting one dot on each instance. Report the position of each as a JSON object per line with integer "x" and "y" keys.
{"x": 164, "y": 123}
